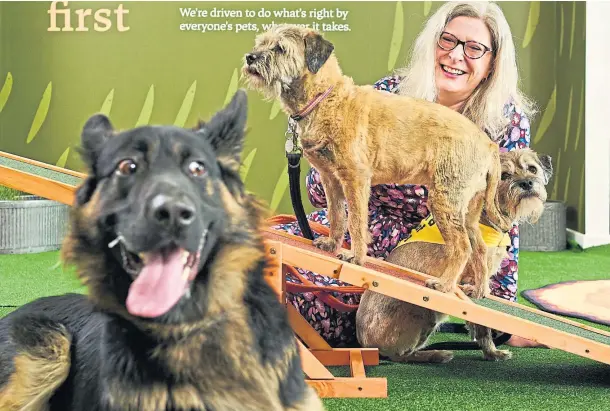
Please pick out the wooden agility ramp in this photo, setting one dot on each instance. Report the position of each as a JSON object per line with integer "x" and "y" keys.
{"x": 41, "y": 179}
{"x": 556, "y": 332}
{"x": 394, "y": 281}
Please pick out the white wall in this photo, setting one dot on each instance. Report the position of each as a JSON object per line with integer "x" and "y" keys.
{"x": 597, "y": 128}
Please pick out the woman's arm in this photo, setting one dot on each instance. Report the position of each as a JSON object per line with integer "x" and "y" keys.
{"x": 504, "y": 282}
{"x": 315, "y": 190}
{"x": 518, "y": 133}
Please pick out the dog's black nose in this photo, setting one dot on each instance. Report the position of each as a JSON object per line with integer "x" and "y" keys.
{"x": 526, "y": 184}
{"x": 251, "y": 58}
{"x": 171, "y": 212}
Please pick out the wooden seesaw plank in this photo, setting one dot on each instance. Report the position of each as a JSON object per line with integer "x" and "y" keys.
{"x": 40, "y": 164}
{"x": 40, "y": 186}
{"x": 405, "y": 285}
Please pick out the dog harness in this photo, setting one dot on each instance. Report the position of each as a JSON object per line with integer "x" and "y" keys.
{"x": 427, "y": 231}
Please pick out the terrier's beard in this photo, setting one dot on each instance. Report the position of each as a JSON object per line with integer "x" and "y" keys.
{"x": 529, "y": 210}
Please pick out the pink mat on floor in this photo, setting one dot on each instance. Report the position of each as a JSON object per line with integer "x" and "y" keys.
{"x": 587, "y": 300}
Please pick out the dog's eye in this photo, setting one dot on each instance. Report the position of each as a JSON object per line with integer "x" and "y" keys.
{"x": 278, "y": 49}
{"x": 126, "y": 167}
{"x": 532, "y": 169}
{"x": 505, "y": 175}
{"x": 196, "y": 169}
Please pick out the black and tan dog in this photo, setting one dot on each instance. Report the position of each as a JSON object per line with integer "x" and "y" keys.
{"x": 179, "y": 315}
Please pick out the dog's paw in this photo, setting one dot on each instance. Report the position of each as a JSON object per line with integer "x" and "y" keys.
{"x": 441, "y": 357}
{"x": 473, "y": 291}
{"x": 347, "y": 256}
{"x": 498, "y": 355}
{"x": 437, "y": 285}
{"x": 325, "y": 244}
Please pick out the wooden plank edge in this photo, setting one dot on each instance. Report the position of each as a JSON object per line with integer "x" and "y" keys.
{"x": 37, "y": 185}
{"x": 415, "y": 275}
{"x": 356, "y": 365}
{"x": 548, "y": 315}
{"x": 341, "y": 356}
{"x": 42, "y": 165}
{"x": 312, "y": 367}
{"x": 345, "y": 387}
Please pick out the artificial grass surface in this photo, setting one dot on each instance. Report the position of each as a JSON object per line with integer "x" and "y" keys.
{"x": 24, "y": 277}
{"x": 534, "y": 379}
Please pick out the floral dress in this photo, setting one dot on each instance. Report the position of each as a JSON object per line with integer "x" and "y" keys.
{"x": 394, "y": 210}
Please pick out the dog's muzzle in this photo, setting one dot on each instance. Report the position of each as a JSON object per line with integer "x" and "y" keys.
{"x": 160, "y": 278}
{"x": 164, "y": 266}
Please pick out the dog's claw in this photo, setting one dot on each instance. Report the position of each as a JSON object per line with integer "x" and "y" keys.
{"x": 437, "y": 285}
{"x": 498, "y": 355}
{"x": 346, "y": 256}
{"x": 473, "y": 291}
{"x": 325, "y": 244}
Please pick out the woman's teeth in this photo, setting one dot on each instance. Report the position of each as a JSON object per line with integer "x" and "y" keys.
{"x": 185, "y": 272}
{"x": 452, "y": 70}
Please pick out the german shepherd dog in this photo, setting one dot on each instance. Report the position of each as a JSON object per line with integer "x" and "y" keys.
{"x": 178, "y": 314}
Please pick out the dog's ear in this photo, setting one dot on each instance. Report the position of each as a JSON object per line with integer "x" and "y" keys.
{"x": 317, "y": 51}
{"x": 547, "y": 166}
{"x": 225, "y": 131}
{"x": 85, "y": 191}
{"x": 96, "y": 131}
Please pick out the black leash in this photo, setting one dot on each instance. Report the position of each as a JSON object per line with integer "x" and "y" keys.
{"x": 462, "y": 345}
{"x": 294, "y": 153}
{"x": 294, "y": 175}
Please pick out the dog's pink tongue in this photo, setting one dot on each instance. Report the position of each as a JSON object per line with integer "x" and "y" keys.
{"x": 158, "y": 287}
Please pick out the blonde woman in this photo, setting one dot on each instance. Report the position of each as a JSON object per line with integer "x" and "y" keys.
{"x": 465, "y": 59}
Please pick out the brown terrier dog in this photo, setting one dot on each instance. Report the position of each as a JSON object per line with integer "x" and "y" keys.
{"x": 400, "y": 330}
{"x": 358, "y": 137}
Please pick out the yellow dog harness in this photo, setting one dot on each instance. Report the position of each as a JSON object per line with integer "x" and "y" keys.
{"x": 427, "y": 231}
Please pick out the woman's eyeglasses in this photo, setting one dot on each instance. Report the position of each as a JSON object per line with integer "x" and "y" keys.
{"x": 472, "y": 49}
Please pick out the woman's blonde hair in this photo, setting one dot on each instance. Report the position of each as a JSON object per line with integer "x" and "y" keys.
{"x": 485, "y": 107}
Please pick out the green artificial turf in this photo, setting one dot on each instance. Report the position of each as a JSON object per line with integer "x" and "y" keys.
{"x": 534, "y": 379}
{"x": 24, "y": 277}
{"x": 537, "y": 269}
{"x": 7, "y": 193}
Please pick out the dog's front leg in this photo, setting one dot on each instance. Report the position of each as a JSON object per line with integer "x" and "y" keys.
{"x": 357, "y": 189}
{"x": 449, "y": 211}
{"x": 482, "y": 335}
{"x": 335, "y": 199}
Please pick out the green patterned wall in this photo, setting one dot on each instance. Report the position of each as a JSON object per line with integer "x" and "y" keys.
{"x": 51, "y": 82}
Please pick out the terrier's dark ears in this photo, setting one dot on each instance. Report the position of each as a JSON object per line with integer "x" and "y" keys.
{"x": 317, "y": 51}
{"x": 547, "y": 166}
